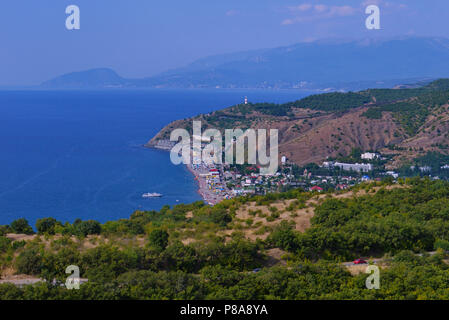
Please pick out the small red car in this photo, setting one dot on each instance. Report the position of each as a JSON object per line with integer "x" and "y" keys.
{"x": 360, "y": 261}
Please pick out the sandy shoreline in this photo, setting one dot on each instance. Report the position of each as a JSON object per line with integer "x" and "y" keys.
{"x": 208, "y": 195}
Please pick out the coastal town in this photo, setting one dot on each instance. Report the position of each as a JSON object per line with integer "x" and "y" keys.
{"x": 218, "y": 182}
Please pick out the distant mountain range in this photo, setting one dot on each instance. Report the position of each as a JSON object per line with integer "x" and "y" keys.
{"x": 331, "y": 65}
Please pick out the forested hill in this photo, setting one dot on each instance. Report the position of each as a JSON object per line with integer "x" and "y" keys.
{"x": 332, "y": 124}
{"x": 291, "y": 245}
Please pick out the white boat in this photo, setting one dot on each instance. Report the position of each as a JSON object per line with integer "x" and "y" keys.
{"x": 151, "y": 195}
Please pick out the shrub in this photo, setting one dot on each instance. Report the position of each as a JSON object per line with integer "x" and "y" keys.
{"x": 84, "y": 228}
{"x": 21, "y": 226}
{"x": 443, "y": 244}
{"x": 220, "y": 216}
{"x": 29, "y": 262}
{"x": 46, "y": 225}
{"x": 284, "y": 237}
{"x": 5, "y": 244}
{"x": 158, "y": 239}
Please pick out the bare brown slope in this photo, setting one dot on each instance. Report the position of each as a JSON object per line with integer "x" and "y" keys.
{"x": 308, "y": 136}
{"x": 332, "y": 136}
{"x": 433, "y": 135}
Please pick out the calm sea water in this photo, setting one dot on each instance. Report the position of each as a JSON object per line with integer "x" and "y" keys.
{"x": 79, "y": 154}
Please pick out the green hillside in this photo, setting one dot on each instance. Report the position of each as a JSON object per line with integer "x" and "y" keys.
{"x": 147, "y": 256}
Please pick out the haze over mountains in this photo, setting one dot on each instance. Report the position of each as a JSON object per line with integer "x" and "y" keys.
{"x": 331, "y": 64}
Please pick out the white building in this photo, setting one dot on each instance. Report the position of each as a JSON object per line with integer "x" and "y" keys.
{"x": 369, "y": 156}
{"x": 425, "y": 169}
{"x": 358, "y": 167}
{"x": 392, "y": 173}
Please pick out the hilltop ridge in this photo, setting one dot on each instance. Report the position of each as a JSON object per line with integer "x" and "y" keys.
{"x": 324, "y": 64}
{"x": 407, "y": 122}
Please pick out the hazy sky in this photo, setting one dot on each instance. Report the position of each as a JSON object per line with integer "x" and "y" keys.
{"x": 139, "y": 38}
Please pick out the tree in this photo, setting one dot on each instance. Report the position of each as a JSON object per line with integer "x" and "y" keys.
{"x": 29, "y": 262}
{"x": 5, "y": 244}
{"x": 443, "y": 244}
{"x": 4, "y": 229}
{"x": 241, "y": 254}
{"x": 21, "y": 226}
{"x": 181, "y": 257}
{"x": 158, "y": 239}
{"x": 46, "y": 225}
{"x": 84, "y": 228}
{"x": 284, "y": 237}
{"x": 220, "y": 216}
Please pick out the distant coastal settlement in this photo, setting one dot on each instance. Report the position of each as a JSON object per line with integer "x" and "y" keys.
{"x": 211, "y": 186}
{"x": 217, "y": 182}
{"x": 326, "y": 142}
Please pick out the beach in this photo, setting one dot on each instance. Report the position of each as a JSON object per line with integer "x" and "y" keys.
{"x": 206, "y": 183}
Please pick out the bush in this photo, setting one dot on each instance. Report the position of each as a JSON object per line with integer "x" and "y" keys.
{"x": 158, "y": 239}
{"x": 29, "y": 262}
{"x": 106, "y": 262}
{"x": 180, "y": 257}
{"x": 284, "y": 237}
{"x": 21, "y": 226}
{"x": 84, "y": 228}
{"x": 273, "y": 209}
{"x": 275, "y": 215}
{"x": 241, "y": 254}
{"x": 441, "y": 244}
{"x": 46, "y": 225}
{"x": 4, "y": 230}
{"x": 18, "y": 244}
{"x": 220, "y": 216}
{"x": 5, "y": 244}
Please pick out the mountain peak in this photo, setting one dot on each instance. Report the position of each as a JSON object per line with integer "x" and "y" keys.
{"x": 92, "y": 78}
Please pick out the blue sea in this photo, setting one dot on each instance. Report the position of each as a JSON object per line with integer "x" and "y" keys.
{"x": 79, "y": 154}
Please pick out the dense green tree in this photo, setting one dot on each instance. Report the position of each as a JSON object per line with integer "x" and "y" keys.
{"x": 220, "y": 216}
{"x": 4, "y": 229}
{"x": 21, "y": 226}
{"x": 158, "y": 239}
{"x": 84, "y": 228}
{"x": 284, "y": 237}
{"x": 106, "y": 262}
{"x": 29, "y": 261}
{"x": 442, "y": 244}
{"x": 55, "y": 264}
{"x": 46, "y": 225}
{"x": 178, "y": 256}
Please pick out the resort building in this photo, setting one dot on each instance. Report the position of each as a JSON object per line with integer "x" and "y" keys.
{"x": 369, "y": 156}
{"x": 358, "y": 167}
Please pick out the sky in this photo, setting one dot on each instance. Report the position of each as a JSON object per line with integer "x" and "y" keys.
{"x": 139, "y": 38}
